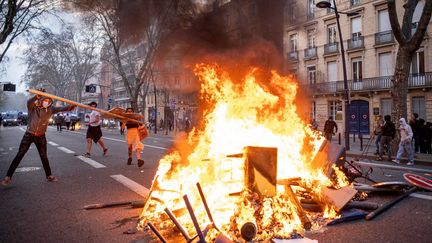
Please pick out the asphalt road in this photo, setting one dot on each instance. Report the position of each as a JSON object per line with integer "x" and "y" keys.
{"x": 33, "y": 210}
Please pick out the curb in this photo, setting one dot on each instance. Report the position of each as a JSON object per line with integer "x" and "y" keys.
{"x": 373, "y": 157}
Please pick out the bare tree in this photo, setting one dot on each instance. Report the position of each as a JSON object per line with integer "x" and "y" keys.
{"x": 82, "y": 53}
{"x": 408, "y": 45}
{"x": 48, "y": 63}
{"x": 16, "y": 18}
{"x": 159, "y": 19}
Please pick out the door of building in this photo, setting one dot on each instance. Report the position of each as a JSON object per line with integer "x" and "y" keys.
{"x": 358, "y": 115}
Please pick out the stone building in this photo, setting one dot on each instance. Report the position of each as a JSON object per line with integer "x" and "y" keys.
{"x": 312, "y": 52}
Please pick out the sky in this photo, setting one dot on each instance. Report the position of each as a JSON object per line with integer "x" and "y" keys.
{"x": 15, "y": 67}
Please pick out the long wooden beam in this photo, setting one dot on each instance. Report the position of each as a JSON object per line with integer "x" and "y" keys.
{"x": 54, "y": 97}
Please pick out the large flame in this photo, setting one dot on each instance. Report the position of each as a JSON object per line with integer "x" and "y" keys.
{"x": 258, "y": 110}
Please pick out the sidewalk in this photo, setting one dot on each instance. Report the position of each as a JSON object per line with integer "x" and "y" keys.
{"x": 357, "y": 152}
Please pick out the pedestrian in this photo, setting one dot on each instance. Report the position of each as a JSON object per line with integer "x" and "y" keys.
{"x": 405, "y": 143}
{"x": 421, "y": 129}
{"x": 187, "y": 125}
{"x": 414, "y": 124}
{"x": 378, "y": 133}
{"x": 330, "y": 128}
{"x": 388, "y": 132}
{"x": 40, "y": 110}
{"x": 121, "y": 128}
{"x": 58, "y": 120}
{"x": 133, "y": 140}
{"x": 428, "y": 138}
{"x": 67, "y": 121}
{"x": 94, "y": 131}
{"x": 314, "y": 124}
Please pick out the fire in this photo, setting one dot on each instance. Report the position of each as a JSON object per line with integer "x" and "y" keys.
{"x": 258, "y": 110}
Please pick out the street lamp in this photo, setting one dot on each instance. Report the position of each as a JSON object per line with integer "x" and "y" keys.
{"x": 326, "y": 4}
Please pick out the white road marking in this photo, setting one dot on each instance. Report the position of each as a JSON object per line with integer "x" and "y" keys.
{"x": 22, "y": 129}
{"x": 139, "y": 189}
{"x": 11, "y": 148}
{"x": 392, "y": 167}
{"x": 422, "y": 196}
{"x": 123, "y": 141}
{"x": 68, "y": 151}
{"x": 91, "y": 162}
{"x": 52, "y": 143}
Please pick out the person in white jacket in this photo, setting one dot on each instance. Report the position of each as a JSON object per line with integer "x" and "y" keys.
{"x": 405, "y": 144}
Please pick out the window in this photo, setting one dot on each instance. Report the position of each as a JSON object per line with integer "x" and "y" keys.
{"x": 331, "y": 34}
{"x": 293, "y": 42}
{"x": 311, "y": 74}
{"x": 416, "y": 16}
{"x": 386, "y": 107}
{"x": 357, "y": 70}
{"x": 383, "y": 21}
{"x": 313, "y": 110}
{"x": 332, "y": 71}
{"x": 334, "y": 107}
{"x": 311, "y": 6}
{"x": 418, "y": 106}
{"x": 311, "y": 38}
{"x": 385, "y": 64}
{"x": 417, "y": 63}
{"x": 356, "y": 28}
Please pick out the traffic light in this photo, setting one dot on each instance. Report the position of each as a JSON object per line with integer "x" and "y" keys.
{"x": 9, "y": 87}
{"x": 90, "y": 88}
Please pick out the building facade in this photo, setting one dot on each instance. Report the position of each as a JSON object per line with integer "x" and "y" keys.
{"x": 312, "y": 51}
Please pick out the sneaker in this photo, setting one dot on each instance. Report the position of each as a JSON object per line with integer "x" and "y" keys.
{"x": 6, "y": 181}
{"x": 410, "y": 163}
{"x": 87, "y": 155}
{"x": 105, "y": 151}
{"x": 396, "y": 161}
{"x": 52, "y": 178}
{"x": 140, "y": 162}
{"x": 129, "y": 161}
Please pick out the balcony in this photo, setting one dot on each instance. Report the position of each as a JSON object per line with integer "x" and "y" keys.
{"x": 310, "y": 52}
{"x": 293, "y": 56}
{"x": 356, "y": 43}
{"x": 420, "y": 80}
{"x": 331, "y": 48}
{"x": 385, "y": 37}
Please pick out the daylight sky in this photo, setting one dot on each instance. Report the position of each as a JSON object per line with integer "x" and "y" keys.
{"x": 15, "y": 68}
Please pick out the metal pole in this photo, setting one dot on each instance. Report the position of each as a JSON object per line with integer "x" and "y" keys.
{"x": 346, "y": 93}
{"x": 157, "y": 233}
{"x": 155, "y": 110}
{"x": 194, "y": 219}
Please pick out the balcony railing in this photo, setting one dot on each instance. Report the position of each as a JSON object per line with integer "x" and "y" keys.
{"x": 310, "y": 52}
{"x": 331, "y": 48}
{"x": 356, "y": 43}
{"x": 293, "y": 56}
{"x": 384, "y": 37}
{"x": 419, "y": 80}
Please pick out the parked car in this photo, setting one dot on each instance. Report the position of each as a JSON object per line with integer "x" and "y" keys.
{"x": 22, "y": 118}
{"x": 10, "y": 120}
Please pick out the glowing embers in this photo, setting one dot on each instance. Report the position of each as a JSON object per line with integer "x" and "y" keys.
{"x": 255, "y": 111}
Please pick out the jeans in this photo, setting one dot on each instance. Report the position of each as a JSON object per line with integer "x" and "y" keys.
{"x": 385, "y": 141}
{"x": 41, "y": 145}
{"x": 405, "y": 147}
{"x": 378, "y": 142}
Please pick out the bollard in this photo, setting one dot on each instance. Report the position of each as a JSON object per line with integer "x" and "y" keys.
{"x": 339, "y": 138}
{"x": 361, "y": 141}
{"x": 354, "y": 137}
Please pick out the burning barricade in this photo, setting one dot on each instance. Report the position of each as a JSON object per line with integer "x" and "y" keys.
{"x": 246, "y": 170}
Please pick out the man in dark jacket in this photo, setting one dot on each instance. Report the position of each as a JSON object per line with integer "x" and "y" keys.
{"x": 388, "y": 131}
{"x": 40, "y": 110}
{"x": 329, "y": 128}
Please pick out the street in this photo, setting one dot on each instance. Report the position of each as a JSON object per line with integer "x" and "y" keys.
{"x": 34, "y": 210}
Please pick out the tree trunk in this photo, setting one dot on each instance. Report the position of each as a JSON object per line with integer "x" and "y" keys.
{"x": 400, "y": 84}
